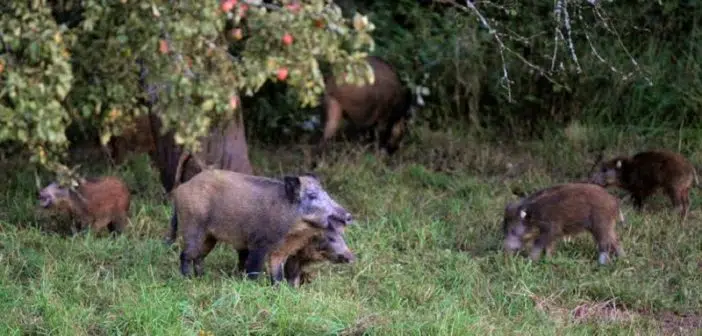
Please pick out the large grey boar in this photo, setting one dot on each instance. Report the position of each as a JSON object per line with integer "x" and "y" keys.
{"x": 260, "y": 217}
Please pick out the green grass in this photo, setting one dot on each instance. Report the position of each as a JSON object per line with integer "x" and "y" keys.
{"x": 427, "y": 238}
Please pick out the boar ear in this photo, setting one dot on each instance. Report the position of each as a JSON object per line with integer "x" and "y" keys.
{"x": 524, "y": 213}
{"x": 619, "y": 164}
{"x": 292, "y": 188}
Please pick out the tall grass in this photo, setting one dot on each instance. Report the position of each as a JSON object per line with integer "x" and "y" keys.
{"x": 427, "y": 238}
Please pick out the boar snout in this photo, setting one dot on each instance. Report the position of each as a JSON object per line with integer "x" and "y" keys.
{"x": 343, "y": 257}
{"x": 346, "y": 258}
{"x": 44, "y": 200}
{"x": 342, "y": 216}
{"x": 336, "y": 249}
{"x": 597, "y": 178}
{"x": 512, "y": 243}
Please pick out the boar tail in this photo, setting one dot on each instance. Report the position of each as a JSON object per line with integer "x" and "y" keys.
{"x": 173, "y": 231}
{"x": 186, "y": 156}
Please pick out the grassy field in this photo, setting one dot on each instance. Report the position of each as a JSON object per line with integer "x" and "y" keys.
{"x": 427, "y": 238}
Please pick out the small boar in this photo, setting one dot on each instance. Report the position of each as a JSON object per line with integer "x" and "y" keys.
{"x": 98, "y": 203}
{"x": 646, "y": 172}
{"x": 564, "y": 210}
{"x": 260, "y": 217}
{"x": 327, "y": 246}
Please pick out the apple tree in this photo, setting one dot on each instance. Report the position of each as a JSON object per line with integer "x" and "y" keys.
{"x": 105, "y": 63}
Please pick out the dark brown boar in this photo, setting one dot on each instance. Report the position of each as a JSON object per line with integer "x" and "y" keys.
{"x": 646, "y": 172}
{"x": 98, "y": 203}
{"x": 260, "y": 217}
{"x": 327, "y": 246}
{"x": 564, "y": 210}
{"x": 134, "y": 138}
{"x": 386, "y": 103}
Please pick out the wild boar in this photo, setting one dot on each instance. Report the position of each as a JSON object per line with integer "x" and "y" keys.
{"x": 134, "y": 138}
{"x": 564, "y": 210}
{"x": 386, "y": 103}
{"x": 98, "y": 203}
{"x": 327, "y": 246}
{"x": 258, "y": 216}
{"x": 646, "y": 172}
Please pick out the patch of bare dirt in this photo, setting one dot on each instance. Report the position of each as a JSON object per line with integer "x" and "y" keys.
{"x": 362, "y": 325}
{"x": 604, "y": 311}
{"x": 679, "y": 324}
{"x": 669, "y": 323}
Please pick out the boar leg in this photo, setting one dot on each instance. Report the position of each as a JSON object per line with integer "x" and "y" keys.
{"x": 545, "y": 238}
{"x": 254, "y": 262}
{"x": 173, "y": 229}
{"x": 550, "y": 248}
{"x": 101, "y": 223}
{"x": 195, "y": 245}
{"x": 641, "y": 196}
{"x": 117, "y": 226}
{"x": 679, "y": 199}
{"x": 276, "y": 267}
{"x": 391, "y": 136}
{"x": 331, "y": 123}
{"x": 242, "y": 254}
{"x": 184, "y": 264}
{"x": 293, "y": 271}
{"x": 607, "y": 241}
{"x": 76, "y": 226}
{"x": 207, "y": 247}
{"x": 673, "y": 196}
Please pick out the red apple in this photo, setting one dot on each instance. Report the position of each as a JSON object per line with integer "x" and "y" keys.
{"x": 319, "y": 23}
{"x": 237, "y": 34}
{"x": 294, "y": 7}
{"x": 287, "y": 39}
{"x": 227, "y": 5}
{"x": 162, "y": 46}
{"x": 243, "y": 8}
{"x": 282, "y": 74}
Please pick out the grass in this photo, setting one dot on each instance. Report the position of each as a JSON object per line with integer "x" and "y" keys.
{"x": 427, "y": 238}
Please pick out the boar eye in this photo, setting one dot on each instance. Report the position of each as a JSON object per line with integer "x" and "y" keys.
{"x": 312, "y": 196}
{"x": 332, "y": 239}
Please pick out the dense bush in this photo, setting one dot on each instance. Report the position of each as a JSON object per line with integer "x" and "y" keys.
{"x": 626, "y": 63}
{"x": 638, "y": 60}
{"x": 102, "y": 64}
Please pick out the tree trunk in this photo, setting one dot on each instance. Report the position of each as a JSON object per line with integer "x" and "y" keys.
{"x": 224, "y": 148}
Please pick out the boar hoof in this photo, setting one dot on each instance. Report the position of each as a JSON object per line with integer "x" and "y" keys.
{"x": 602, "y": 260}
{"x": 252, "y": 275}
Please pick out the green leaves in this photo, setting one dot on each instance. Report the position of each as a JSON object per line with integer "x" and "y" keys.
{"x": 36, "y": 78}
{"x": 52, "y": 76}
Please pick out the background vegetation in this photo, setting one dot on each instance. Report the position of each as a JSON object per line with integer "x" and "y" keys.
{"x": 427, "y": 235}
